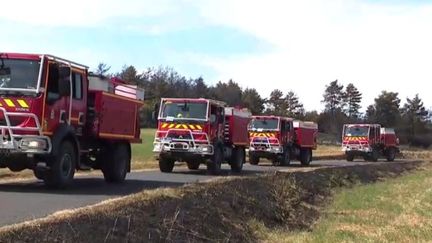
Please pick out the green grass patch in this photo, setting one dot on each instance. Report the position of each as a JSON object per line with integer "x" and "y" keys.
{"x": 142, "y": 155}
{"x": 398, "y": 209}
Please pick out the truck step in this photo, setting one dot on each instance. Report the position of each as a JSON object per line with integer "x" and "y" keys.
{"x": 84, "y": 167}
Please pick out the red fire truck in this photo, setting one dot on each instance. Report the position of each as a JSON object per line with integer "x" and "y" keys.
{"x": 198, "y": 131}
{"x": 369, "y": 141}
{"x": 55, "y": 119}
{"x": 280, "y": 139}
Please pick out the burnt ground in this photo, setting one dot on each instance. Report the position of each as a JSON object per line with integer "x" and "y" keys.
{"x": 217, "y": 211}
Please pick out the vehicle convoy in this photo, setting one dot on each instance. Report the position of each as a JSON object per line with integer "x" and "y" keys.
{"x": 281, "y": 139}
{"x": 198, "y": 131}
{"x": 369, "y": 141}
{"x": 56, "y": 118}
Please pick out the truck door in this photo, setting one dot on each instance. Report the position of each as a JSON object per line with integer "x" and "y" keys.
{"x": 217, "y": 121}
{"x": 283, "y": 132}
{"x": 57, "y": 95}
{"x": 79, "y": 100}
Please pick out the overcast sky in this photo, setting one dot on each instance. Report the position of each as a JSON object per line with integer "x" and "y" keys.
{"x": 290, "y": 45}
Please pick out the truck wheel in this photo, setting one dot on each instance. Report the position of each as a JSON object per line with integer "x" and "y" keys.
{"x": 286, "y": 158}
{"x": 166, "y": 165}
{"x": 62, "y": 166}
{"x": 215, "y": 163}
{"x": 350, "y": 157}
{"x": 238, "y": 159}
{"x": 193, "y": 165}
{"x": 115, "y": 166}
{"x": 391, "y": 154}
{"x": 374, "y": 155}
{"x": 253, "y": 159}
{"x": 305, "y": 156}
{"x": 39, "y": 174}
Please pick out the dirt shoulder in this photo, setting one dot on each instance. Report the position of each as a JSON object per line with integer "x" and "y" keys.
{"x": 220, "y": 210}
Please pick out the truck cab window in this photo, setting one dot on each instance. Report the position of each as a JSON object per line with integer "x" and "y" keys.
{"x": 372, "y": 132}
{"x": 287, "y": 126}
{"x": 77, "y": 86}
{"x": 53, "y": 82}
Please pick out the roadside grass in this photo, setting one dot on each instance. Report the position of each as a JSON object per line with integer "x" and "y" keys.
{"x": 142, "y": 155}
{"x": 398, "y": 209}
{"x": 328, "y": 152}
{"x": 226, "y": 210}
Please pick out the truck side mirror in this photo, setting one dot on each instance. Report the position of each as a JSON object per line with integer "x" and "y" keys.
{"x": 155, "y": 112}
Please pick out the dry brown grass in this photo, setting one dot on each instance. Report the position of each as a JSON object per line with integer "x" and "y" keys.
{"x": 328, "y": 152}
{"x": 218, "y": 211}
{"x": 417, "y": 154}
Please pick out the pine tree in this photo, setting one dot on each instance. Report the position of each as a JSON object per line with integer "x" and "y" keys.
{"x": 294, "y": 106}
{"x": 253, "y": 101}
{"x": 333, "y": 97}
{"x": 276, "y": 104}
{"x": 386, "y": 107}
{"x": 415, "y": 114}
{"x": 102, "y": 69}
{"x": 352, "y": 100}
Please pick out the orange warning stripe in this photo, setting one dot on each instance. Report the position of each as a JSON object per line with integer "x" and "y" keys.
{"x": 262, "y": 134}
{"x": 181, "y": 126}
{"x": 20, "y": 103}
{"x": 355, "y": 138}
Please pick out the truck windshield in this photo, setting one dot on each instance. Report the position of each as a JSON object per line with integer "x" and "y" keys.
{"x": 264, "y": 124}
{"x": 18, "y": 74}
{"x": 184, "y": 110}
{"x": 357, "y": 131}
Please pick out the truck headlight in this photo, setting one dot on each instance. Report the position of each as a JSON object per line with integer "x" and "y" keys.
{"x": 33, "y": 144}
{"x": 206, "y": 149}
{"x": 157, "y": 147}
{"x": 277, "y": 149}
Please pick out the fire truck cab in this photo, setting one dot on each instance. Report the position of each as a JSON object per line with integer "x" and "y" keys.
{"x": 281, "y": 139}
{"x": 369, "y": 141}
{"x": 201, "y": 131}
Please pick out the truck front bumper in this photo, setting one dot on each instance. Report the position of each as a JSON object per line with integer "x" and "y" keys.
{"x": 356, "y": 149}
{"x": 16, "y": 138}
{"x": 27, "y": 144}
{"x": 269, "y": 149}
{"x": 182, "y": 147}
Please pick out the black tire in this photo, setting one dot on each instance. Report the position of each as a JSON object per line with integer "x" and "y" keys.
{"x": 214, "y": 165}
{"x": 286, "y": 158}
{"x": 305, "y": 156}
{"x": 166, "y": 165}
{"x": 238, "y": 159}
{"x": 374, "y": 155}
{"x": 391, "y": 154}
{"x": 253, "y": 159}
{"x": 116, "y": 166}
{"x": 350, "y": 157}
{"x": 193, "y": 165}
{"x": 62, "y": 166}
{"x": 39, "y": 174}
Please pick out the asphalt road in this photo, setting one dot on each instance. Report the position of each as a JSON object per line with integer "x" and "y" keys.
{"x": 25, "y": 200}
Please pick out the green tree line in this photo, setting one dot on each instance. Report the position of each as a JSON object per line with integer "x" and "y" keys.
{"x": 342, "y": 103}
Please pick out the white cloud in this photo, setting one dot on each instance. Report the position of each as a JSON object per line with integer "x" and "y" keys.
{"x": 83, "y": 12}
{"x": 377, "y": 47}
